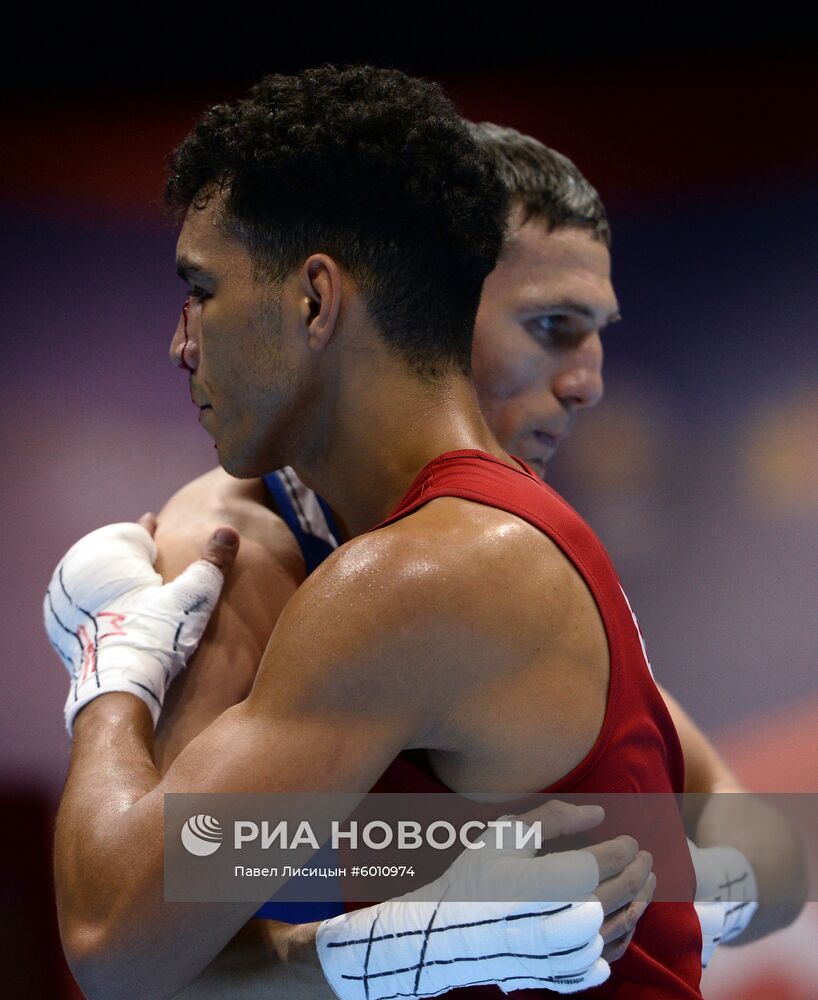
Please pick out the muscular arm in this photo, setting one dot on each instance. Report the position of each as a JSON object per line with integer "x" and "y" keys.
{"x": 304, "y": 726}
{"x": 120, "y": 936}
{"x": 266, "y": 956}
{"x": 743, "y": 822}
{"x": 407, "y": 627}
{"x": 265, "y": 959}
{"x": 267, "y": 571}
{"x": 276, "y": 958}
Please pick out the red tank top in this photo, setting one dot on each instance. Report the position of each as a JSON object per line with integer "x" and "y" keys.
{"x": 637, "y": 749}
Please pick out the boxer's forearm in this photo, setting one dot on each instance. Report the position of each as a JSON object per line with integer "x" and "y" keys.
{"x": 111, "y": 769}
{"x": 120, "y": 937}
{"x": 95, "y": 831}
{"x": 105, "y": 888}
{"x": 92, "y": 838}
{"x": 771, "y": 845}
{"x": 715, "y": 817}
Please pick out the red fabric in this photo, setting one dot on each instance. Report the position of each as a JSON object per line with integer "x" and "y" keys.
{"x": 638, "y": 748}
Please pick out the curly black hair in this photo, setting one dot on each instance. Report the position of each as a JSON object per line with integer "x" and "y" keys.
{"x": 375, "y": 168}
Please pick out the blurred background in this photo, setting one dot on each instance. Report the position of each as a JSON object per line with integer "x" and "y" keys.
{"x": 699, "y": 470}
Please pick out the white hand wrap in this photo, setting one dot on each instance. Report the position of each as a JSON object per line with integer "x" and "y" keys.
{"x": 414, "y": 947}
{"x": 726, "y": 894}
{"x": 116, "y": 626}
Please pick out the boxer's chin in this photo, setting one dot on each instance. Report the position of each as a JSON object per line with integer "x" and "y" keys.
{"x": 248, "y": 449}
{"x": 242, "y": 470}
{"x": 240, "y": 463}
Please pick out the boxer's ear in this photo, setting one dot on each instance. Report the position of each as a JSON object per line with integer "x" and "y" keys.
{"x": 322, "y": 285}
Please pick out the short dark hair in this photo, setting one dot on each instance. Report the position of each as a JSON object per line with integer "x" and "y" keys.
{"x": 543, "y": 182}
{"x": 373, "y": 167}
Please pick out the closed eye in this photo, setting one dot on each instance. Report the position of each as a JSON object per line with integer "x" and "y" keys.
{"x": 198, "y": 294}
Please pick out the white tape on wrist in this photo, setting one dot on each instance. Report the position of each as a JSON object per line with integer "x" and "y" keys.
{"x": 116, "y": 626}
{"x": 726, "y": 895}
{"x": 446, "y": 936}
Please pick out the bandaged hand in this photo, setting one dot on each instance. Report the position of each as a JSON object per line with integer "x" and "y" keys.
{"x": 726, "y": 895}
{"x": 446, "y": 935}
{"x": 114, "y": 622}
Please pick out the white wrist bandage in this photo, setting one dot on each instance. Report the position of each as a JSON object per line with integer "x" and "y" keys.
{"x": 114, "y": 623}
{"x": 443, "y": 936}
{"x": 726, "y": 895}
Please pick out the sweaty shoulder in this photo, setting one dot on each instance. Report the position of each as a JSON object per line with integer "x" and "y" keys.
{"x": 467, "y": 618}
{"x": 536, "y": 684}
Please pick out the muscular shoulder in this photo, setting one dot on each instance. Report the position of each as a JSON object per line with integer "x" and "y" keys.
{"x": 267, "y": 571}
{"x": 453, "y": 598}
{"x": 437, "y": 563}
{"x": 472, "y": 563}
{"x": 217, "y": 498}
{"x": 216, "y": 495}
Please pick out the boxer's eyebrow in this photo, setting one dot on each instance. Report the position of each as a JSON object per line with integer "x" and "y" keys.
{"x": 581, "y": 309}
{"x": 187, "y": 270}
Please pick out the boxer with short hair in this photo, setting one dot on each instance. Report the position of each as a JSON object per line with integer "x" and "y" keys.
{"x": 264, "y": 409}
{"x": 534, "y": 374}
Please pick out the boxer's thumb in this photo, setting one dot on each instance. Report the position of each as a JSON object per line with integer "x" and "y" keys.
{"x": 198, "y": 587}
{"x": 221, "y": 548}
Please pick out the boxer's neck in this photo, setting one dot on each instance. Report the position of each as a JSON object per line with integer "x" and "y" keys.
{"x": 383, "y": 429}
